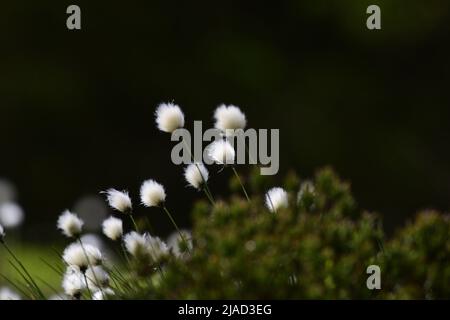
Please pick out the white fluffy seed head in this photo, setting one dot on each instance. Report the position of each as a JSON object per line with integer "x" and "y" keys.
{"x": 8, "y": 294}
{"x": 97, "y": 277}
{"x": 156, "y": 248}
{"x": 169, "y": 117}
{"x": 73, "y": 282}
{"x": 176, "y": 245}
{"x": 70, "y": 224}
{"x": 136, "y": 244}
{"x": 152, "y": 193}
{"x": 229, "y": 118}
{"x": 276, "y": 198}
{"x": 82, "y": 256}
{"x": 196, "y": 175}
{"x": 113, "y": 228}
{"x": 11, "y": 215}
{"x": 119, "y": 200}
{"x": 221, "y": 152}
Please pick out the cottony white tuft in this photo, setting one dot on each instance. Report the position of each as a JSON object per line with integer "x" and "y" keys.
{"x": 119, "y": 200}
{"x": 175, "y": 243}
{"x": 103, "y": 294}
{"x": 97, "y": 277}
{"x": 70, "y": 224}
{"x": 7, "y": 294}
{"x": 229, "y": 118}
{"x": 169, "y": 117}
{"x": 152, "y": 193}
{"x": 82, "y": 256}
{"x": 11, "y": 215}
{"x": 73, "y": 282}
{"x": 276, "y": 198}
{"x": 221, "y": 152}
{"x": 156, "y": 247}
{"x": 136, "y": 244}
{"x": 113, "y": 228}
{"x": 196, "y": 175}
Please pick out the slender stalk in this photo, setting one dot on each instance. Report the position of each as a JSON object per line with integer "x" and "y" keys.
{"x": 205, "y": 183}
{"x": 90, "y": 266}
{"x": 240, "y": 182}
{"x": 134, "y": 222}
{"x": 87, "y": 284}
{"x": 176, "y": 227}
{"x": 125, "y": 254}
{"x": 24, "y": 270}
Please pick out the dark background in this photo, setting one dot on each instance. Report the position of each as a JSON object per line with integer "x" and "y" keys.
{"x": 76, "y": 107}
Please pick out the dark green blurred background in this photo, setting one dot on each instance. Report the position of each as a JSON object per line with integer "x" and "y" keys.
{"x": 76, "y": 107}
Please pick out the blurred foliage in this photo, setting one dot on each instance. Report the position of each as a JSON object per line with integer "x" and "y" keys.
{"x": 319, "y": 248}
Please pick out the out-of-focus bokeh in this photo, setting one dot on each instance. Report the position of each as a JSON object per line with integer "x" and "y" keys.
{"x": 76, "y": 107}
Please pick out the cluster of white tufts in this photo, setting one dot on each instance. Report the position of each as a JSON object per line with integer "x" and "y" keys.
{"x": 145, "y": 246}
{"x": 85, "y": 269}
{"x": 82, "y": 256}
{"x": 73, "y": 282}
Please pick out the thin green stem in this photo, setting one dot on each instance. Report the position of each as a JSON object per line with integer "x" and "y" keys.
{"x": 24, "y": 269}
{"x": 240, "y": 182}
{"x": 134, "y": 222}
{"x": 176, "y": 227}
{"x": 205, "y": 183}
{"x": 90, "y": 266}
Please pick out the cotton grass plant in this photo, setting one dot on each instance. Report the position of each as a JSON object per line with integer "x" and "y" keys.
{"x": 290, "y": 241}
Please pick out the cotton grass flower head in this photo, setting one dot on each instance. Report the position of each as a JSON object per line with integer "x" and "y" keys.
{"x": 70, "y": 224}
{"x": 176, "y": 245}
{"x": 97, "y": 277}
{"x": 73, "y": 282}
{"x": 152, "y": 193}
{"x": 8, "y": 294}
{"x": 136, "y": 244}
{"x": 229, "y": 118}
{"x": 82, "y": 256}
{"x": 11, "y": 215}
{"x": 169, "y": 117}
{"x": 103, "y": 294}
{"x": 221, "y": 152}
{"x": 156, "y": 248}
{"x": 276, "y": 198}
{"x": 196, "y": 175}
{"x": 113, "y": 228}
{"x": 119, "y": 200}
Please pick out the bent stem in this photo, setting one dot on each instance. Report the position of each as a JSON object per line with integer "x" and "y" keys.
{"x": 176, "y": 227}
{"x": 240, "y": 182}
